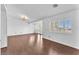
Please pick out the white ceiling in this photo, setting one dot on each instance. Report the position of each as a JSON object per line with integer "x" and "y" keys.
{"x": 35, "y": 11}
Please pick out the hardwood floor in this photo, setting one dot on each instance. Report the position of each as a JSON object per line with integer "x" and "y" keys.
{"x": 28, "y": 44}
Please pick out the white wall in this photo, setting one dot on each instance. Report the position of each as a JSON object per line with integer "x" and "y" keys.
{"x": 77, "y": 29}
{"x": 3, "y": 26}
{"x": 18, "y": 27}
{"x": 71, "y": 39}
{"x": 0, "y": 25}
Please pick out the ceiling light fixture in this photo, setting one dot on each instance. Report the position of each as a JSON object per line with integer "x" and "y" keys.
{"x": 24, "y": 18}
{"x": 55, "y": 5}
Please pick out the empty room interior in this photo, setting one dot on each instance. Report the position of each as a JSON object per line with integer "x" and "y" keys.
{"x": 39, "y": 29}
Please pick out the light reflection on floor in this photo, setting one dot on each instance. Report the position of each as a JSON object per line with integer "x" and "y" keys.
{"x": 52, "y": 52}
{"x": 39, "y": 43}
{"x": 31, "y": 40}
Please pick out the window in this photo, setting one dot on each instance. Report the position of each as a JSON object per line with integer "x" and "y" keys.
{"x": 63, "y": 25}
